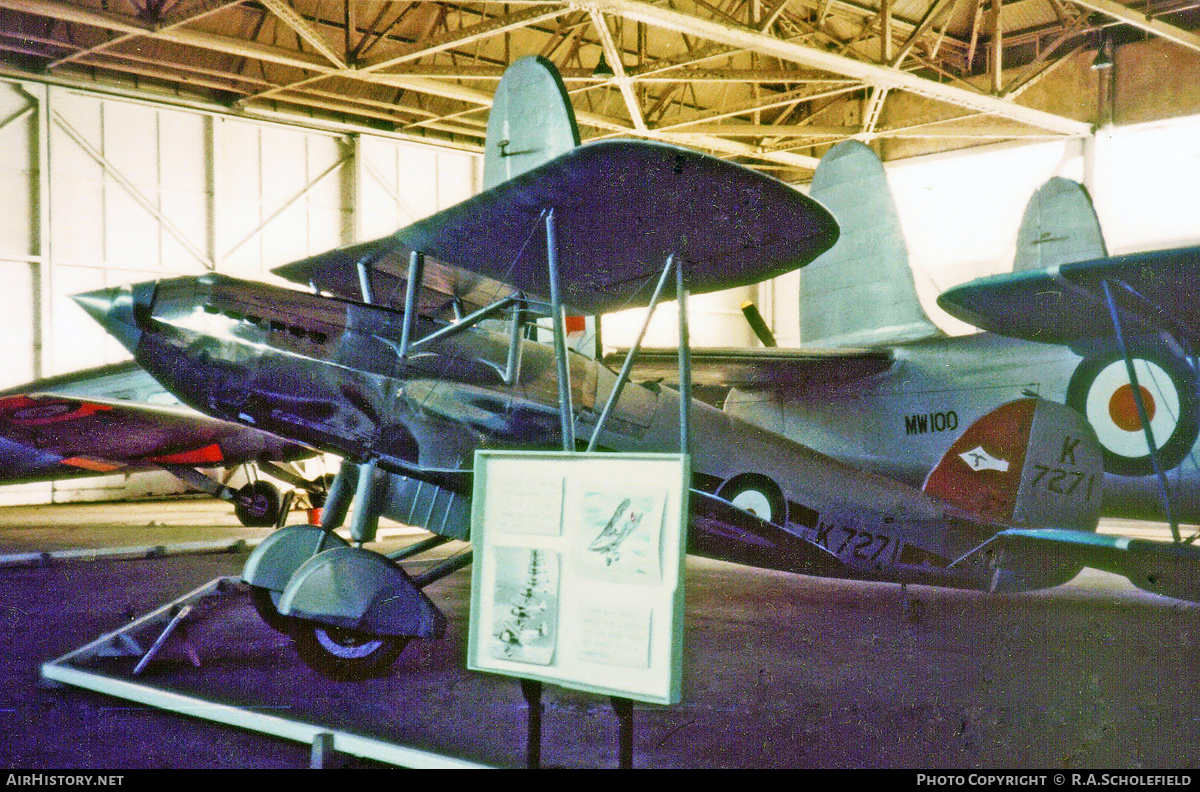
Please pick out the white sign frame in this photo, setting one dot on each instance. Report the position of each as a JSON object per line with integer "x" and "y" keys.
{"x": 577, "y": 575}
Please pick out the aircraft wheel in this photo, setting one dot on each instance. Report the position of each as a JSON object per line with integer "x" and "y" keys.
{"x": 266, "y": 604}
{"x": 257, "y": 505}
{"x": 758, "y": 495}
{"x": 346, "y": 655}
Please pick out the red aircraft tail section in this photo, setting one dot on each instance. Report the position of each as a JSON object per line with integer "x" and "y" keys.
{"x": 1033, "y": 462}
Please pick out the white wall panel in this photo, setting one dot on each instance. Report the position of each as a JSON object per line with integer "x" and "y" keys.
{"x": 17, "y": 307}
{"x": 74, "y": 342}
{"x": 18, "y": 172}
{"x": 1148, "y": 185}
{"x": 280, "y": 196}
{"x": 130, "y": 191}
{"x": 455, "y": 178}
{"x": 401, "y": 183}
{"x": 131, "y": 232}
{"x": 130, "y": 142}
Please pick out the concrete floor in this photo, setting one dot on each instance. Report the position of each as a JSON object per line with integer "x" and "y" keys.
{"x": 780, "y": 670}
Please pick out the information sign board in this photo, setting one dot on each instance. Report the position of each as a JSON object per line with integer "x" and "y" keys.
{"x": 577, "y": 576}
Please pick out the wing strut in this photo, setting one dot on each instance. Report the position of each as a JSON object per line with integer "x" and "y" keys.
{"x": 627, "y": 366}
{"x": 623, "y": 707}
{"x": 566, "y": 412}
{"x": 1143, "y": 415}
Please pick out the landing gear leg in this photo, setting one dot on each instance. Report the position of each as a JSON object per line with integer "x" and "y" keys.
{"x": 912, "y": 607}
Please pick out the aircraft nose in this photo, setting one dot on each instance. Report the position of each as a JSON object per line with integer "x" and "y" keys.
{"x": 116, "y": 310}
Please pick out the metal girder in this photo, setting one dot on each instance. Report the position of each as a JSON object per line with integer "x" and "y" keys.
{"x": 613, "y": 55}
{"x": 780, "y": 100}
{"x": 304, "y": 30}
{"x": 491, "y": 27}
{"x": 730, "y": 147}
{"x": 880, "y": 76}
{"x": 935, "y": 12}
{"x": 1142, "y": 21}
{"x": 769, "y": 130}
{"x": 874, "y": 109}
{"x": 193, "y": 38}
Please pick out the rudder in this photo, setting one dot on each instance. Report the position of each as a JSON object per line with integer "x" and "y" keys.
{"x": 1034, "y": 462}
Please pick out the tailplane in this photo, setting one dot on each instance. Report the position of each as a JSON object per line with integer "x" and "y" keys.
{"x": 1059, "y": 227}
{"x": 861, "y": 291}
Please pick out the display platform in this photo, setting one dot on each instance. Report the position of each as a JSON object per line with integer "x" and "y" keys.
{"x": 780, "y": 671}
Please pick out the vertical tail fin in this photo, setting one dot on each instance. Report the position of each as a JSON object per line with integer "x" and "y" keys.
{"x": 861, "y": 291}
{"x": 531, "y": 121}
{"x": 1031, "y": 461}
{"x": 1059, "y": 227}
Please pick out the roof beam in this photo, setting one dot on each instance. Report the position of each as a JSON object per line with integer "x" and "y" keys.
{"x": 618, "y": 66}
{"x": 458, "y": 38}
{"x": 1143, "y": 21}
{"x": 878, "y": 76}
{"x": 729, "y": 147}
{"x": 122, "y": 23}
{"x": 304, "y": 30}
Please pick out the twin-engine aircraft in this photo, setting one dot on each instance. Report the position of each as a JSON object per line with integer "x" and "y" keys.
{"x": 432, "y": 362}
{"x": 876, "y": 384}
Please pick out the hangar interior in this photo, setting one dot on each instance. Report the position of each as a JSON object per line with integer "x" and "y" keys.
{"x": 153, "y": 138}
{"x": 156, "y": 138}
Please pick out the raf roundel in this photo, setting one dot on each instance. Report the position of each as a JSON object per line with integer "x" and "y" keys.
{"x": 1101, "y": 390}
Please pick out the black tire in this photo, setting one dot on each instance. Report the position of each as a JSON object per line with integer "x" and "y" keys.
{"x": 268, "y": 610}
{"x": 257, "y": 505}
{"x": 345, "y": 655}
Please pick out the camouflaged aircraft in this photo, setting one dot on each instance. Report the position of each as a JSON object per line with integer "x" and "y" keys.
{"x": 420, "y": 357}
{"x": 116, "y": 420}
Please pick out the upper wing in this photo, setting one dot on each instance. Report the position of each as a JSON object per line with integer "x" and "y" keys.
{"x": 620, "y": 208}
{"x": 751, "y": 369}
{"x": 443, "y": 287}
{"x": 1065, "y": 303}
{"x": 46, "y": 436}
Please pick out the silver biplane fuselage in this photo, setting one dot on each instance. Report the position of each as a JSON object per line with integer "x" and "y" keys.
{"x": 326, "y": 372}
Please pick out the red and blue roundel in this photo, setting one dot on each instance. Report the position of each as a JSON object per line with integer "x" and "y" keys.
{"x": 1101, "y": 390}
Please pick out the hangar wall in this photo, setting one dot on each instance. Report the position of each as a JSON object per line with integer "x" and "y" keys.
{"x": 99, "y": 191}
{"x": 961, "y": 211}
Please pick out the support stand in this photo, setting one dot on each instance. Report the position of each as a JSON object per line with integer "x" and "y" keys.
{"x": 176, "y": 624}
{"x": 532, "y": 691}
{"x": 623, "y": 708}
{"x": 324, "y": 741}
